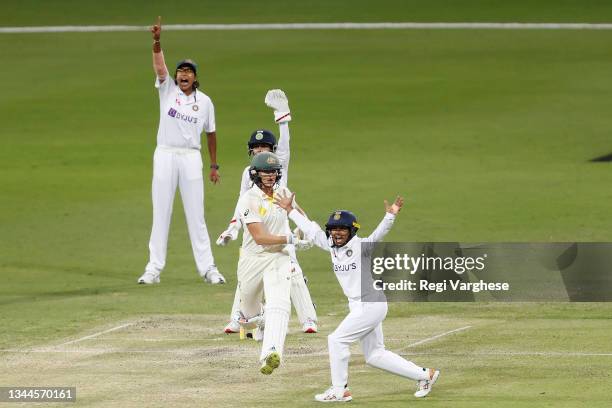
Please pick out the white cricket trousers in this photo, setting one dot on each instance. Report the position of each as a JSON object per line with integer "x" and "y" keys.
{"x": 182, "y": 167}
{"x": 364, "y": 323}
{"x": 266, "y": 274}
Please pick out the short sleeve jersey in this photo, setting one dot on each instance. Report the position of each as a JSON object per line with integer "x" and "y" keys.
{"x": 182, "y": 118}
{"x": 256, "y": 206}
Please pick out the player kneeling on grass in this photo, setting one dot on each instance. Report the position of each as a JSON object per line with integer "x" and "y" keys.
{"x": 264, "y": 267}
{"x": 364, "y": 322}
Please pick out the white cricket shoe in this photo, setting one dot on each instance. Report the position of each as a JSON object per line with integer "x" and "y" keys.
{"x": 234, "y": 324}
{"x": 310, "y": 326}
{"x": 213, "y": 276}
{"x": 335, "y": 395}
{"x": 149, "y": 278}
{"x": 232, "y": 327}
{"x": 424, "y": 386}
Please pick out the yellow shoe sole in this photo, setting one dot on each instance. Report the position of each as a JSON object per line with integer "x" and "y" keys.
{"x": 272, "y": 363}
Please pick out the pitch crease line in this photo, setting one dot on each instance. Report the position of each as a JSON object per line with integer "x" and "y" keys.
{"x": 437, "y": 336}
{"x": 91, "y": 336}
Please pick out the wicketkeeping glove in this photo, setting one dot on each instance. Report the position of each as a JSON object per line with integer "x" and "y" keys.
{"x": 300, "y": 241}
{"x": 230, "y": 234}
{"x": 303, "y": 244}
{"x": 277, "y": 100}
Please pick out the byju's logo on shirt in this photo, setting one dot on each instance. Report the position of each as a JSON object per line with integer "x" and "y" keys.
{"x": 345, "y": 267}
{"x": 181, "y": 116}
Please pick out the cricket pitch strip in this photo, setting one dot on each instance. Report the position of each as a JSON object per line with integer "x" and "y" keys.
{"x": 186, "y": 360}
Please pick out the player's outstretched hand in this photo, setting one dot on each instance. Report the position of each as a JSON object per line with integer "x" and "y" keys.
{"x": 277, "y": 100}
{"x": 156, "y": 29}
{"x": 285, "y": 202}
{"x": 395, "y": 207}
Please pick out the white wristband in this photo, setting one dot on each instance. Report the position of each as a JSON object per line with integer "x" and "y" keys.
{"x": 290, "y": 239}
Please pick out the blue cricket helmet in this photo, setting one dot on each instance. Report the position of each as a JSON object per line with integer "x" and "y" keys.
{"x": 344, "y": 219}
{"x": 262, "y": 136}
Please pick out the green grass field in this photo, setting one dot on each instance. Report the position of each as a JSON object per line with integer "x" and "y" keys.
{"x": 488, "y": 135}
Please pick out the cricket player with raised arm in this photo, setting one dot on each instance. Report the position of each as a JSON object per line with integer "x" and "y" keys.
{"x": 264, "y": 266}
{"x": 184, "y": 113}
{"x": 364, "y": 322}
{"x": 262, "y": 141}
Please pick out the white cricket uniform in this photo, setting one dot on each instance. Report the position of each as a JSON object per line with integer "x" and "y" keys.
{"x": 177, "y": 161}
{"x": 265, "y": 270}
{"x": 300, "y": 296}
{"x": 364, "y": 321}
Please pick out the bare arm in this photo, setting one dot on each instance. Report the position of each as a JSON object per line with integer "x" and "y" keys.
{"x": 211, "y": 137}
{"x": 262, "y": 237}
{"x": 159, "y": 64}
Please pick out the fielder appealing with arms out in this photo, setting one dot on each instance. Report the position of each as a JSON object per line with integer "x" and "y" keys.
{"x": 184, "y": 113}
{"x": 264, "y": 141}
{"x": 364, "y": 322}
{"x": 265, "y": 263}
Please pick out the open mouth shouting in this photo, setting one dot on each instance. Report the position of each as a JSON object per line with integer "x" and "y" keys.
{"x": 185, "y": 77}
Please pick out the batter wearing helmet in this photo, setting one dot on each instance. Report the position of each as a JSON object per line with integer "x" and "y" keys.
{"x": 264, "y": 266}
{"x": 364, "y": 322}
{"x": 265, "y": 141}
{"x": 185, "y": 112}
